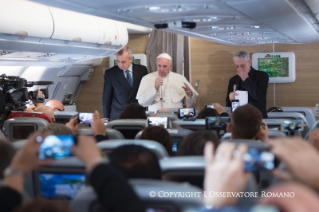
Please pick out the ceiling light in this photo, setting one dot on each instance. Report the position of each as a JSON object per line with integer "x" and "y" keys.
{"x": 54, "y": 60}
{"x": 256, "y": 27}
{"x": 154, "y": 8}
{"x": 169, "y": 9}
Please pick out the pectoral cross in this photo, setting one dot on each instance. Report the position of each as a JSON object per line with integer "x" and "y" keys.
{"x": 161, "y": 100}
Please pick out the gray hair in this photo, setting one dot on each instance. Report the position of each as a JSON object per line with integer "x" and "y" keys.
{"x": 242, "y": 54}
{"x": 56, "y": 129}
{"x": 128, "y": 49}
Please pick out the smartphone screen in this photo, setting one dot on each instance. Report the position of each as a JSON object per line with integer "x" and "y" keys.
{"x": 186, "y": 112}
{"x": 216, "y": 123}
{"x": 157, "y": 121}
{"x": 257, "y": 159}
{"x": 56, "y": 147}
{"x": 209, "y": 106}
{"x": 175, "y": 147}
{"x": 234, "y": 105}
{"x": 85, "y": 118}
{"x": 292, "y": 125}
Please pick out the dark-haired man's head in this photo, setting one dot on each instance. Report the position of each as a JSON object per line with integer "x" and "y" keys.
{"x": 135, "y": 162}
{"x": 159, "y": 134}
{"x": 275, "y": 109}
{"x": 245, "y": 122}
{"x": 133, "y": 111}
{"x": 207, "y": 112}
{"x": 194, "y": 143}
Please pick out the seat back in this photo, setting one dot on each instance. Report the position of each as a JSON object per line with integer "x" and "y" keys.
{"x": 177, "y": 136}
{"x": 198, "y": 124}
{"x": 193, "y": 168}
{"x": 166, "y": 196}
{"x": 182, "y": 166}
{"x": 128, "y": 127}
{"x": 108, "y": 145}
{"x": 287, "y": 115}
{"x": 271, "y": 134}
{"x": 171, "y": 116}
{"x": 276, "y": 122}
{"x": 63, "y": 117}
{"x": 60, "y": 180}
{"x": 110, "y": 133}
{"x": 16, "y": 114}
{"x": 20, "y": 127}
{"x": 87, "y": 201}
{"x": 307, "y": 112}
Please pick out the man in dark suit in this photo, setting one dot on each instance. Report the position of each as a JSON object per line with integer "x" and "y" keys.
{"x": 248, "y": 79}
{"x": 121, "y": 83}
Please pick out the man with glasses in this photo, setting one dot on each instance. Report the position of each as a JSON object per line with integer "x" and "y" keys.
{"x": 121, "y": 83}
{"x": 248, "y": 79}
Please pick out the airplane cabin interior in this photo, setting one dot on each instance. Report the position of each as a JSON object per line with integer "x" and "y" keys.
{"x": 65, "y": 47}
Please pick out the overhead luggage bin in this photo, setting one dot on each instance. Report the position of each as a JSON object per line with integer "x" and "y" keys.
{"x": 27, "y": 19}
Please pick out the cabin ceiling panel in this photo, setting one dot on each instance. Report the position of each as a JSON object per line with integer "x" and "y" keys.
{"x": 234, "y": 22}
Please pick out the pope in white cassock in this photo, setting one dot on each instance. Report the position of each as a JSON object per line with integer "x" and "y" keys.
{"x": 165, "y": 89}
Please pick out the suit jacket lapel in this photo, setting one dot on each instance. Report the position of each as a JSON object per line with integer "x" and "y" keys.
{"x": 121, "y": 79}
{"x": 136, "y": 77}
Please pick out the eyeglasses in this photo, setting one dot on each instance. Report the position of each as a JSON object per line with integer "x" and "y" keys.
{"x": 242, "y": 66}
{"x": 58, "y": 109}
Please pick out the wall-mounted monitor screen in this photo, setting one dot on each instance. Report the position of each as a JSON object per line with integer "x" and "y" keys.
{"x": 139, "y": 59}
{"x": 280, "y": 66}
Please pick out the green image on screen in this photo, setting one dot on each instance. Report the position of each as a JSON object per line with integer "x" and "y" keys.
{"x": 135, "y": 61}
{"x": 274, "y": 67}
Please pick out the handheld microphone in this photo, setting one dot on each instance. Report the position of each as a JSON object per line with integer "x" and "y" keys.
{"x": 234, "y": 87}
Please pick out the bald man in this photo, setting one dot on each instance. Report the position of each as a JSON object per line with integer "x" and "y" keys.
{"x": 47, "y": 110}
{"x": 56, "y": 105}
{"x": 165, "y": 89}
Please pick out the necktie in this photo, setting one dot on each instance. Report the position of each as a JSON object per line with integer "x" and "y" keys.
{"x": 128, "y": 77}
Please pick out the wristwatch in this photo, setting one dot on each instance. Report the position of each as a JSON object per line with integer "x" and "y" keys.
{"x": 9, "y": 171}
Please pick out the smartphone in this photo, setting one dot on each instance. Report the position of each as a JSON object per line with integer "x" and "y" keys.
{"x": 209, "y": 106}
{"x": 85, "y": 118}
{"x": 157, "y": 121}
{"x": 175, "y": 147}
{"x": 216, "y": 123}
{"x": 186, "y": 112}
{"x": 56, "y": 147}
{"x": 292, "y": 125}
{"x": 234, "y": 104}
{"x": 259, "y": 159}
